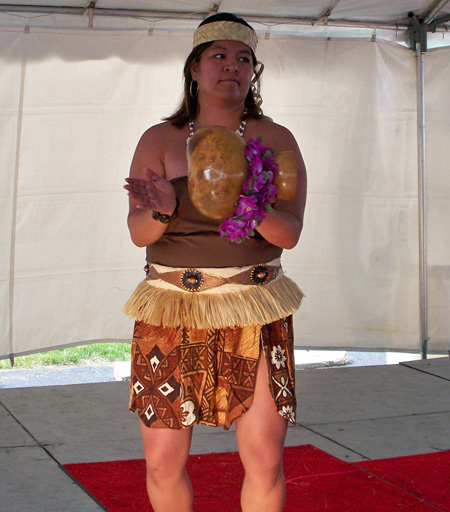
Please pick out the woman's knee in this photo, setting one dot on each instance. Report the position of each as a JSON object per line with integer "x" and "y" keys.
{"x": 166, "y": 453}
{"x": 262, "y": 461}
{"x": 164, "y": 464}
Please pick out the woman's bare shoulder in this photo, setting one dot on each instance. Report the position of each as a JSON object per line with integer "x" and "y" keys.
{"x": 160, "y": 133}
{"x": 274, "y": 135}
{"x": 162, "y": 148}
{"x": 151, "y": 149}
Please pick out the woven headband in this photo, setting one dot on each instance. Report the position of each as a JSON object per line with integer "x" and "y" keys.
{"x": 225, "y": 30}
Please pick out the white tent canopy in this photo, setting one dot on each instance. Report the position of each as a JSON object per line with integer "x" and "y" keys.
{"x": 317, "y": 12}
{"x": 79, "y": 83}
{"x": 321, "y": 18}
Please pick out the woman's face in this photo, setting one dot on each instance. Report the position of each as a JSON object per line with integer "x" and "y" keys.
{"x": 225, "y": 71}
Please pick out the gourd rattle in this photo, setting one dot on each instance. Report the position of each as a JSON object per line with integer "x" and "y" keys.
{"x": 218, "y": 169}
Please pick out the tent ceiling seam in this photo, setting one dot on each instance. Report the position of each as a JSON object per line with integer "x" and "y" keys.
{"x": 324, "y": 17}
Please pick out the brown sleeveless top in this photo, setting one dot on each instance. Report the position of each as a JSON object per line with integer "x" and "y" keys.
{"x": 193, "y": 240}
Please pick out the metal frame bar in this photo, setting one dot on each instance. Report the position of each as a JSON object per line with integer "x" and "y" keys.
{"x": 161, "y": 14}
{"x": 434, "y": 11}
{"x": 91, "y": 10}
{"x": 423, "y": 270}
{"x": 419, "y": 29}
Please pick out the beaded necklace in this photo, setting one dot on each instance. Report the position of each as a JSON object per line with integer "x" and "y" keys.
{"x": 239, "y": 131}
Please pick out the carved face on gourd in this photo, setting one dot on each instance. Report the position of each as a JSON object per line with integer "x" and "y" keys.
{"x": 217, "y": 170}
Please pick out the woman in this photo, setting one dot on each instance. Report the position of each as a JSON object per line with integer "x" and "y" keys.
{"x": 204, "y": 355}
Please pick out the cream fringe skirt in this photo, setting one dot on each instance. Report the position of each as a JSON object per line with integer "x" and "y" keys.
{"x": 157, "y": 302}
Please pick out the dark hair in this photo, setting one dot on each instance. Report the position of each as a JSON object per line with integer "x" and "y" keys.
{"x": 225, "y": 16}
{"x": 187, "y": 109}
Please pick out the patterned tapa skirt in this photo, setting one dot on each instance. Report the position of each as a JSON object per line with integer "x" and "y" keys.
{"x": 193, "y": 373}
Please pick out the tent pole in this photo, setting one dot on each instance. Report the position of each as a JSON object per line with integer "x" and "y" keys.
{"x": 423, "y": 289}
{"x": 12, "y": 252}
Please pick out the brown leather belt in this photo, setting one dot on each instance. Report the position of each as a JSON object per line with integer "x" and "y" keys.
{"x": 194, "y": 280}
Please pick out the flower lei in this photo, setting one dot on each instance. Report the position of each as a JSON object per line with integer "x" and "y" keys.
{"x": 254, "y": 202}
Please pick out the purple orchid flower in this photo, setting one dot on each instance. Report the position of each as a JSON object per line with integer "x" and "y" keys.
{"x": 255, "y": 201}
{"x": 246, "y": 205}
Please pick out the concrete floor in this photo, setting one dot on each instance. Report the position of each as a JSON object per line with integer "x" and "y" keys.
{"x": 354, "y": 414}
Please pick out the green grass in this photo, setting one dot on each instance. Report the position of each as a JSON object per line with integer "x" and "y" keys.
{"x": 96, "y": 353}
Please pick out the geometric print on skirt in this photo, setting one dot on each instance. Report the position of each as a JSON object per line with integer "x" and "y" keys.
{"x": 181, "y": 377}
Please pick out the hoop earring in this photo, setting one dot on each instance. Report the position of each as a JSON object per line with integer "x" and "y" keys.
{"x": 191, "y": 91}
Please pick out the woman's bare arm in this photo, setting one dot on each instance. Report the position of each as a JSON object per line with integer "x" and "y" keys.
{"x": 283, "y": 225}
{"x": 148, "y": 189}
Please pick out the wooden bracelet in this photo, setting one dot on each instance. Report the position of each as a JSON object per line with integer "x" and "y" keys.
{"x": 163, "y": 217}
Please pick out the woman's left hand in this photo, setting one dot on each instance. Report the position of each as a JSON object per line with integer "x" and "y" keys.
{"x": 153, "y": 193}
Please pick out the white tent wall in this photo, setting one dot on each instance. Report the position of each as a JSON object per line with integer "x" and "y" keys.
{"x": 81, "y": 113}
{"x": 437, "y": 103}
{"x": 352, "y": 106}
{"x": 73, "y": 107}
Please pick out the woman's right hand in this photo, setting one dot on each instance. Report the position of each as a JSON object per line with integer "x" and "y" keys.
{"x": 153, "y": 193}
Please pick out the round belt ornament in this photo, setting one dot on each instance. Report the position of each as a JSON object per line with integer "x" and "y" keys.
{"x": 259, "y": 274}
{"x": 191, "y": 280}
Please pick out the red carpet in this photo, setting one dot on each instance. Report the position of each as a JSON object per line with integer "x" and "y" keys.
{"x": 316, "y": 482}
{"x": 425, "y": 476}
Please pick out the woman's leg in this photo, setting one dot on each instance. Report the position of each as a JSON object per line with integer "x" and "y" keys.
{"x": 260, "y": 434}
{"x": 166, "y": 452}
